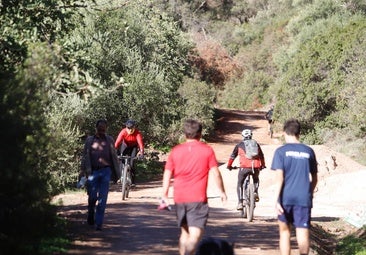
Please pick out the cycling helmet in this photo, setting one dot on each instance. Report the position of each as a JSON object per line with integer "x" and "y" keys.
{"x": 247, "y": 134}
{"x": 130, "y": 124}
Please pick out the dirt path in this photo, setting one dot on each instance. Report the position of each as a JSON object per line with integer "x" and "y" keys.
{"x": 135, "y": 226}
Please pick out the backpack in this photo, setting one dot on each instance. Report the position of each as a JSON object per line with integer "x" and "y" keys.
{"x": 251, "y": 149}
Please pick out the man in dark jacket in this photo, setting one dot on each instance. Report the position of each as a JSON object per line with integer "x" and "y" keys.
{"x": 99, "y": 164}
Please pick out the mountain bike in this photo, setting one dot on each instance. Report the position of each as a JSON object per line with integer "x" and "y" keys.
{"x": 126, "y": 175}
{"x": 248, "y": 190}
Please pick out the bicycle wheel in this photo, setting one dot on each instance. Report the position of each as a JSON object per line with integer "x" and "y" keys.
{"x": 128, "y": 180}
{"x": 124, "y": 181}
{"x": 251, "y": 203}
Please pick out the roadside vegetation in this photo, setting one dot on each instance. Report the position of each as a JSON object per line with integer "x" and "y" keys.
{"x": 66, "y": 63}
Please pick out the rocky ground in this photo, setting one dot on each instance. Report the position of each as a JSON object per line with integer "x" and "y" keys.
{"x": 135, "y": 226}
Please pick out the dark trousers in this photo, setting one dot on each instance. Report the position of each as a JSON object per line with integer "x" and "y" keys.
{"x": 242, "y": 175}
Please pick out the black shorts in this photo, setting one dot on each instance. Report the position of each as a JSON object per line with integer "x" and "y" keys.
{"x": 192, "y": 214}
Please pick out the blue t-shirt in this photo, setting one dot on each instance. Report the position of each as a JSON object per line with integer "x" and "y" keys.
{"x": 297, "y": 161}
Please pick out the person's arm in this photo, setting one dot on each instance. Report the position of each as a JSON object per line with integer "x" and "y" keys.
{"x": 261, "y": 156}
{"x": 119, "y": 139}
{"x": 85, "y": 160}
{"x": 166, "y": 184}
{"x": 140, "y": 142}
{"x": 279, "y": 178}
{"x": 219, "y": 182}
{"x": 233, "y": 155}
{"x": 314, "y": 181}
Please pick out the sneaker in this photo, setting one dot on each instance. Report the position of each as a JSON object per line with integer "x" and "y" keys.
{"x": 240, "y": 206}
{"x": 256, "y": 197}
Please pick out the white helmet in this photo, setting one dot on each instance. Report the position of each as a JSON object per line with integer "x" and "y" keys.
{"x": 247, "y": 134}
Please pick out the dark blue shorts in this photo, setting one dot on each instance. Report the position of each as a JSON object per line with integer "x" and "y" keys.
{"x": 192, "y": 214}
{"x": 298, "y": 216}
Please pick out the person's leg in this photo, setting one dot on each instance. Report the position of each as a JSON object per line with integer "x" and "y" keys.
{"x": 246, "y": 173}
{"x": 285, "y": 235}
{"x": 303, "y": 240}
{"x": 256, "y": 184}
{"x": 92, "y": 197}
{"x": 194, "y": 236}
{"x": 104, "y": 179}
{"x": 184, "y": 235}
{"x": 133, "y": 164}
{"x": 302, "y": 216}
{"x": 239, "y": 188}
{"x": 122, "y": 148}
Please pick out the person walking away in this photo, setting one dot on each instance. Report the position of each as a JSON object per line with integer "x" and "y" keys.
{"x": 130, "y": 142}
{"x": 189, "y": 164}
{"x": 250, "y": 156}
{"x": 99, "y": 164}
{"x": 296, "y": 170}
{"x": 269, "y": 118}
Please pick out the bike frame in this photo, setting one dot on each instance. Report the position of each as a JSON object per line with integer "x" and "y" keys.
{"x": 248, "y": 188}
{"x": 125, "y": 168}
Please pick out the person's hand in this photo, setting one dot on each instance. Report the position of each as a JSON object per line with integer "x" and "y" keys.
{"x": 223, "y": 197}
{"x": 229, "y": 168}
{"x": 164, "y": 204}
{"x": 278, "y": 209}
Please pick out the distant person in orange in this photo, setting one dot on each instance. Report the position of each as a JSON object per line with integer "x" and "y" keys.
{"x": 190, "y": 163}
{"x": 130, "y": 142}
{"x": 296, "y": 171}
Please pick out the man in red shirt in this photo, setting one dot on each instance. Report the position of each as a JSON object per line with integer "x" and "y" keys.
{"x": 189, "y": 164}
{"x": 130, "y": 142}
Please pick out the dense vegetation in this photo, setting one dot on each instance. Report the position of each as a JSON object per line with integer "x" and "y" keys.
{"x": 64, "y": 64}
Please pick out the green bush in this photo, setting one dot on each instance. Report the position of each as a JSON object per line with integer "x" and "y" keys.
{"x": 353, "y": 244}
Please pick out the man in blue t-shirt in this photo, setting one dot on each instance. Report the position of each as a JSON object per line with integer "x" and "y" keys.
{"x": 296, "y": 170}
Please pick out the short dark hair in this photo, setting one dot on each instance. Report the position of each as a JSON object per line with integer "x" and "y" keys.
{"x": 192, "y": 129}
{"x": 292, "y": 127}
{"x": 101, "y": 121}
{"x": 214, "y": 246}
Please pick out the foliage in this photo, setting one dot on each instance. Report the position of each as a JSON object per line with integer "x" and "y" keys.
{"x": 139, "y": 58}
{"x": 247, "y": 93}
{"x": 64, "y": 115}
{"x": 314, "y": 80}
{"x": 353, "y": 244}
{"x": 198, "y": 98}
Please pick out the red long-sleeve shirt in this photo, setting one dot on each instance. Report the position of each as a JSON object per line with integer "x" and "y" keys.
{"x": 131, "y": 140}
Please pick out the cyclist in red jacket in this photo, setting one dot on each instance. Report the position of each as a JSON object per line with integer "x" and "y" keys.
{"x": 130, "y": 142}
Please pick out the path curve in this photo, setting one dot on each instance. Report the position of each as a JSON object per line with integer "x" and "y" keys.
{"x": 135, "y": 226}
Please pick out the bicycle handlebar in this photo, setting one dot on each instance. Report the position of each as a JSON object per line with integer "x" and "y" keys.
{"x": 127, "y": 157}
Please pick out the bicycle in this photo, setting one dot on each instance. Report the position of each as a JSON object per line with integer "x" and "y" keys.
{"x": 248, "y": 192}
{"x": 126, "y": 175}
{"x": 248, "y": 188}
